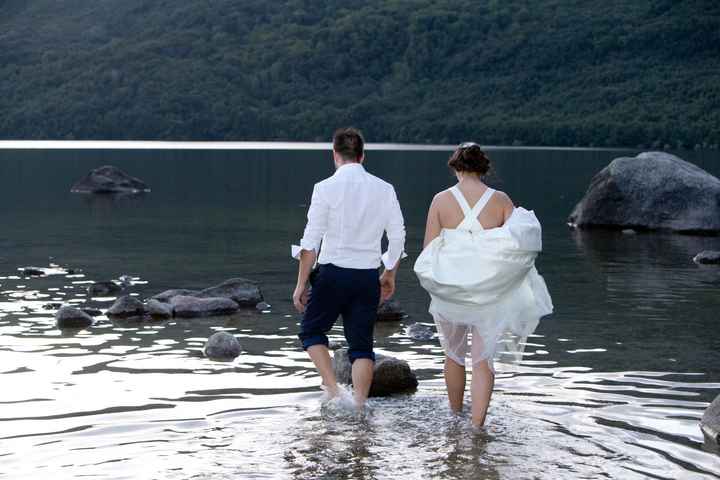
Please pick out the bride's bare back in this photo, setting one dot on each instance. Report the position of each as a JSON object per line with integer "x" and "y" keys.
{"x": 446, "y": 213}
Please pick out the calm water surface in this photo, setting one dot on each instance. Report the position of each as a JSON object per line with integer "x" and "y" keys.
{"x": 612, "y": 385}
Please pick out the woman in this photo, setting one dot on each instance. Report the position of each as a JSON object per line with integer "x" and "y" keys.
{"x": 478, "y": 265}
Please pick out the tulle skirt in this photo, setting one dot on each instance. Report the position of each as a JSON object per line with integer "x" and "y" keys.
{"x": 496, "y": 331}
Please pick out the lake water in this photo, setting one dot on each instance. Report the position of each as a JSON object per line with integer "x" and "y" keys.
{"x": 612, "y": 385}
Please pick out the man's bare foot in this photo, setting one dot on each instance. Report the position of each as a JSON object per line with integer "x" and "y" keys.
{"x": 331, "y": 391}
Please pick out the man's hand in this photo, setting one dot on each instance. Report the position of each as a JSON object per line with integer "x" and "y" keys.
{"x": 300, "y": 297}
{"x": 387, "y": 285}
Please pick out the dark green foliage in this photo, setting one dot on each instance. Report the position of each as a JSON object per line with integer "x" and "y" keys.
{"x": 611, "y": 73}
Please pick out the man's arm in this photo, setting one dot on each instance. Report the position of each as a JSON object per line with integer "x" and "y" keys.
{"x": 309, "y": 247}
{"x": 395, "y": 230}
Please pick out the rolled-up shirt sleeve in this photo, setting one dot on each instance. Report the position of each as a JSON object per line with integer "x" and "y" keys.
{"x": 395, "y": 230}
{"x": 316, "y": 225}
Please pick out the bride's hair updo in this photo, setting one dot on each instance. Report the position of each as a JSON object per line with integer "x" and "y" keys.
{"x": 470, "y": 158}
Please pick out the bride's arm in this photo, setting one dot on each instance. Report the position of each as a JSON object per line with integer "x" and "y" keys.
{"x": 432, "y": 227}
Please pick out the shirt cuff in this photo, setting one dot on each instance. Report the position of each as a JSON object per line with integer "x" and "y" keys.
{"x": 390, "y": 262}
{"x": 296, "y": 250}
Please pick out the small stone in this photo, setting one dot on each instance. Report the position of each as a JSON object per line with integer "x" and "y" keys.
{"x": 222, "y": 346}
{"x": 418, "y": 331}
{"x": 628, "y": 231}
{"x": 71, "y": 317}
{"x": 109, "y": 179}
{"x": 32, "y": 272}
{"x": 103, "y": 289}
{"x": 126, "y": 306}
{"x": 708, "y": 257}
{"x": 263, "y": 306}
{"x": 158, "y": 309}
{"x": 390, "y": 311}
{"x": 187, "y": 307}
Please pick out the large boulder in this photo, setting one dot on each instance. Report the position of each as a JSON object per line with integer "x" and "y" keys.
{"x": 126, "y": 306}
{"x": 109, "y": 179}
{"x": 707, "y": 257}
{"x": 188, "y": 307}
{"x": 222, "y": 346}
{"x": 242, "y": 291}
{"x": 710, "y": 424}
{"x": 390, "y": 311}
{"x": 71, "y": 317}
{"x": 653, "y": 191}
{"x": 390, "y": 375}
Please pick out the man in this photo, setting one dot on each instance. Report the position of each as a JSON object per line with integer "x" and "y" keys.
{"x": 349, "y": 212}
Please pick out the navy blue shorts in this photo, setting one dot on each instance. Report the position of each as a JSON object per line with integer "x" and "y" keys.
{"x": 350, "y": 292}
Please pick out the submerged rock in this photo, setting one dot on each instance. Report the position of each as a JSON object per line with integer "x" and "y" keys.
{"x": 156, "y": 308}
{"x": 71, "y": 317}
{"x": 103, "y": 289}
{"x": 710, "y": 424}
{"x": 390, "y": 375}
{"x": 188, "y": 307}
{"x": 32, "y": 272}
{"x": 126, "y": 306}
{"x": 242, "y": 291}
{"x": 222, "y": 346}
{"x": 707, "y": 257}
{"x": 167, "y": 295}
{"x": 109, "y": 179}
{"x": 653, "y": 191}
{"x": 418, "y": 331}
{"x": 390, "y": 311}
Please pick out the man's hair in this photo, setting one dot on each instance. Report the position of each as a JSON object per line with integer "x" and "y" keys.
{"x": 349, "y": 143}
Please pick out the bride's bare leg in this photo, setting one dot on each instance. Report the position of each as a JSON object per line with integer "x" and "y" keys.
{"x": 483, "y": 380}
{"x": 455, "y": 381}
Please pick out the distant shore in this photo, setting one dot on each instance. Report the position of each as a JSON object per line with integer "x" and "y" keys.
{"x": 249, "y": 145}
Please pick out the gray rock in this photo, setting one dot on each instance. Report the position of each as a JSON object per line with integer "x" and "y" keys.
{"x": 71, "y": 317}
{"x": 168, "y": 294}
{"x": 263, "y": 306}
{"x": 221, "y": 346}
{"x": 103, "y": 289}
{"x": 653, "y": 191}
{"x": 156, "y": 308}
{"x": 109, "y": 179}
{"x": 242, "y": 291}
{"x": 710, "y": 424}
{"x": 418, "y": 331}
{"x": 188, "y": 307}
{"x": 126, "y": 306}
{"x": 707, "y": 257}
{"x": 93, "y": 312}
{"x": 390, "y": 375}
{"x": 336, "y": 344}
{"x": 390, "y": 311}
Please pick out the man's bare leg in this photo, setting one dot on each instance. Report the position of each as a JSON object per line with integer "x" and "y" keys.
{"x": 362, "y": 375}
{"x": 320, "y": 356}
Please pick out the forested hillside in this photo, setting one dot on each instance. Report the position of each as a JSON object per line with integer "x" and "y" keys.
{"x": 555, "y": 72}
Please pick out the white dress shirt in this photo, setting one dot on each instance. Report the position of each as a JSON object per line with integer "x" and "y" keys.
{"x": 349, "y": 213}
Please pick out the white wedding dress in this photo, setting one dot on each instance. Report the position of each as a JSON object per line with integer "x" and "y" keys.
{"x": 485, "y": 282}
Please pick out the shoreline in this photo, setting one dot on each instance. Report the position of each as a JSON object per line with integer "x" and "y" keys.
{"x": 251, "y": 145}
